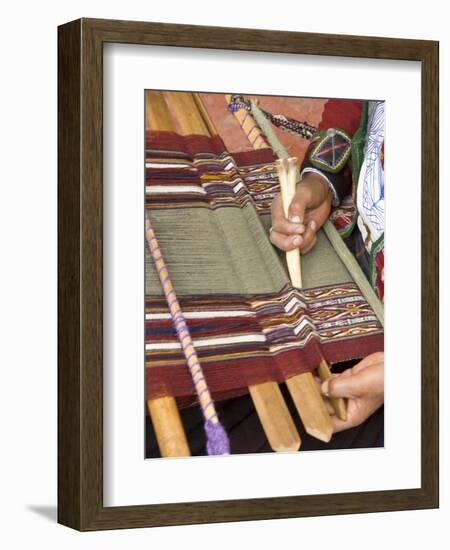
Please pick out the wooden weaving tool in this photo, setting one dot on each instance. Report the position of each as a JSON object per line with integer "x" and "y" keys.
{"x": 303, "y": 389}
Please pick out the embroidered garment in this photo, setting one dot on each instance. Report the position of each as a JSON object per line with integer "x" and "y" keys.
{"x": 331, "y": 150}
{"x": 358, "y": 197}
{"x": 370, "y": 197}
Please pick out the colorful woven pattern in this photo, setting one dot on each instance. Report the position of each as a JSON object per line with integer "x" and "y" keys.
{"x": 243, "y": 340}
{"x": 195, "y": 171}
{"x": 210, "y": 213}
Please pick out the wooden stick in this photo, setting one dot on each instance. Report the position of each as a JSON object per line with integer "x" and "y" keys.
{"x": 208, "y": 121}
{"x": 186, "y": 114}
{"x": 310, "y": 406}
{"x": 275, "y": 417}
{"x": 338, "y": 403}
{"x": 302, "y": 387}
{"x": 286, "y": 169}
{"x": 168, "y": 428}
{"x": 157, "y": 115}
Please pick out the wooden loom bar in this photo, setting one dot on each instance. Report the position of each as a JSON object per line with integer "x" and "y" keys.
{"x": 286, "y": 175}
{"x": 185, "y": 114}
{"x": 338, "y": 403}
{"x": 157, "y": 115}
{"x": 190, "y": 117}
{"x": 302, "y": 387}
{"x": 168, "y": 428}
{"x": 275, "y": 417}
{"x": 204, "y": 113}
{"x": 163, "y": 411}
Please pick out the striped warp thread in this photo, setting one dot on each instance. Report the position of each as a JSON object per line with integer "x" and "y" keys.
{"x": 217, "y": 439}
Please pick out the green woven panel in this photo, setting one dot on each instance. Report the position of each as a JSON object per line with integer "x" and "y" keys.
{"x": 227, "y": 251}
{"x": 214, "y": 251}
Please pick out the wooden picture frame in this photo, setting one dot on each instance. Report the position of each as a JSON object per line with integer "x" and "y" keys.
{"x": 80, "y": 272}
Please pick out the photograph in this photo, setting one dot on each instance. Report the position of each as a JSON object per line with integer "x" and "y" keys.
{"x": 224, "y": 351}
{"x": 264, "y": 273}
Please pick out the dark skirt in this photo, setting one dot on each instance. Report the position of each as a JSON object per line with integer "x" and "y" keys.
{"x": 244, "y": 429}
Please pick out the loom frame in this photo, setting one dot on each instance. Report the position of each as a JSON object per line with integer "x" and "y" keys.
{"x": 80, "y": 272}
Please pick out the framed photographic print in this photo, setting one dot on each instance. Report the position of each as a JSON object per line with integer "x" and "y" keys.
{"x": 232, "y": 344}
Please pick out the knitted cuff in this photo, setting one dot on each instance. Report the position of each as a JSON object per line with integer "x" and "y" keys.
{"x": 335, "y": 199}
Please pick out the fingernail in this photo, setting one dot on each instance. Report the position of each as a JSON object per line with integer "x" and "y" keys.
{"x": 324, "y": 388}
{"x": 313, "y": 225}
{"x": 295, "y": 219}
{"x": 297, "y": 241}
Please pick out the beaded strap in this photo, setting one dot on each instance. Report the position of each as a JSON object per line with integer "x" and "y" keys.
{"x": 287, "y": 124}
{"x": 217, "y": 439}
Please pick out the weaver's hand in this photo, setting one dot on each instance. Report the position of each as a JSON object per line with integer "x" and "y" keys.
{"x": 308, "y": 211}
{"x": 362, "y": 385}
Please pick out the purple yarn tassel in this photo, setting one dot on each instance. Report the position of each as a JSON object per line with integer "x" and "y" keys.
{"x": 217, "y": 439}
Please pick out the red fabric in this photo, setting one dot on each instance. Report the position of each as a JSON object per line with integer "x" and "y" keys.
{"x": 342, "y": 113}
{"x": 379, "y": 264}
{"x": 257, "y": 156}
{"x": 185, "y": 145}
{"x": 299, "y": 108}
{"x": 231, "y": 378}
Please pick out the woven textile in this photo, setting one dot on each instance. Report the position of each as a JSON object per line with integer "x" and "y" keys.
{"x": 210, "y": 211}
